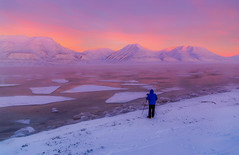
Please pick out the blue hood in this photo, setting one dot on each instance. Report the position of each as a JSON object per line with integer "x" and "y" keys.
{"x": 151, "y": 91}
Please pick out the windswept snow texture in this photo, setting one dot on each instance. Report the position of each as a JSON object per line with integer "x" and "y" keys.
{"x": 190, "y": 127}
{"x": 8, "y": 85}
{"x": 124, "y": 97}
{"x": 44, "y": 90}
{"x": 91, "y": 88}
{"x": 8, "y": 101}
{"x": 60, "y": 80}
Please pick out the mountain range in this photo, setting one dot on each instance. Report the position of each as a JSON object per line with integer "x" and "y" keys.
{"x": 44, "y": 50}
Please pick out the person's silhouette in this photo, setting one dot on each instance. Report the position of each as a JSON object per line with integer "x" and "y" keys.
{"x": 152, "y": 98}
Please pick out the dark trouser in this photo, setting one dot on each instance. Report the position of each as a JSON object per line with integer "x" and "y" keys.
{"x": 151, "y": 110}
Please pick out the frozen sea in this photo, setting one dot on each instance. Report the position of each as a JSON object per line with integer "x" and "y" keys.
{"x": 94, "y": 92}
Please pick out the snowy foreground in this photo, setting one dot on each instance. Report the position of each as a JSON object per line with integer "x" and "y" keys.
{"x": 203, "y": 125}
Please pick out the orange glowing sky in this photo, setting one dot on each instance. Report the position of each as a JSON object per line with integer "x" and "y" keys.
{"x": 155, "y": 24}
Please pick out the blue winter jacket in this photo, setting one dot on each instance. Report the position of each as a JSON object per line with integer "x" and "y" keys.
{"x": 152, "y": 97}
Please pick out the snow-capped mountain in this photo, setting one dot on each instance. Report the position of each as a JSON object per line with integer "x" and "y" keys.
{"x": 133, "y": 53}
{"x": 35, "y": 49}
{"x": 97, "y": 55}
{"x": 42, "y": 50}
{"x": 189, "y": 54}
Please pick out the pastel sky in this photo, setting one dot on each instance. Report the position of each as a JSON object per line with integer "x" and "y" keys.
{"x": 155, "y": 24}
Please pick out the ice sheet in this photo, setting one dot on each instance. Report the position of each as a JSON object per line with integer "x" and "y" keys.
{"x": 8, "y": 85}
{"x": 91, "y": 88}
{"x": 133, "y": 84}
{"x": 119, "y": 81}
{"x": 123, "y": 97}
{"x": 44, "y": 90}
{"x": 60, "y": 80}
{"x": 116, "y": 81}
{"x": 8, "y": 101}
{"x": 23, "y": 121}
{"x": 133, "y": 81}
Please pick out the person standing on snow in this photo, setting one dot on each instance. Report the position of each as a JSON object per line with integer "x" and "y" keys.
{"x": 152, "y": 98}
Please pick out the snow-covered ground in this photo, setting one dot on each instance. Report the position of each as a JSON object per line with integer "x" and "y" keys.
{"x": 44, "y": 90}
{"x": 8, "y": 101}
{"x": 91, "y": 88}
{"x": 123, "y": 97}
{"x": 203, "y": 125}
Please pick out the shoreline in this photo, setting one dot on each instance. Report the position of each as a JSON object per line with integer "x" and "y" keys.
{"x": 126, "y": 108}
{"x": 190, "y": 114}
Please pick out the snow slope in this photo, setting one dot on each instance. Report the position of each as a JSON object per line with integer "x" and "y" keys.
{"x": 35, "y": 49}
{"x": 203, "y": 125}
